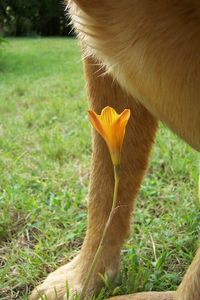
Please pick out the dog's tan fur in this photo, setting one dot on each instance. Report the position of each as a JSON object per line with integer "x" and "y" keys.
{"x": 143, "y": 55}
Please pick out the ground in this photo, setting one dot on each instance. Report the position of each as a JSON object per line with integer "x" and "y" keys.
{"x": 45, "y": 149}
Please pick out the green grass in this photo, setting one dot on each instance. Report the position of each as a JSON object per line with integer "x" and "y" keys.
{"x": 45, "y": 149}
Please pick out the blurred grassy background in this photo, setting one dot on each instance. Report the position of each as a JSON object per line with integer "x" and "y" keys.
{"x": 45, "y": 149}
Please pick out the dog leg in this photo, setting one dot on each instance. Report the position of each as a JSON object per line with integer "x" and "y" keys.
{"x": 189, "y": 288}
{"x": 102, "y": 91}
{"x": 147, "y": 296}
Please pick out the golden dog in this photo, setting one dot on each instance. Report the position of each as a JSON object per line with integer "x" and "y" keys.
{"x": 144, "y": 55}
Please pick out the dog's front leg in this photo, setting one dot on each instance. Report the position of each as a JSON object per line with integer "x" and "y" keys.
{"x": 189, "y": 288}
{"x": 103, "y": 91}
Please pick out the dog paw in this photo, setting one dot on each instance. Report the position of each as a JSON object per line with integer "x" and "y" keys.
{"x": 55, "y": 285}
{"x": 71, "y": 276}
{"x": 146, "y": 296}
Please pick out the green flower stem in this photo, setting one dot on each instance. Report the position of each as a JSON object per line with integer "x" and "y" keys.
{"x": 101, "y": 243}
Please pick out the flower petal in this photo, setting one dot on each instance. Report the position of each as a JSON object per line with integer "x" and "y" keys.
{"x": 96, "y": 122}
{"x": 109, "y": 115}
{"x": 124, "y": 117}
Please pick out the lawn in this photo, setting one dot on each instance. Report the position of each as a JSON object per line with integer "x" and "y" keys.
{"x": 45, "y": 150}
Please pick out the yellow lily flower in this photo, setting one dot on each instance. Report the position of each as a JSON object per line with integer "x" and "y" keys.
{"x": 111, "y": 126}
